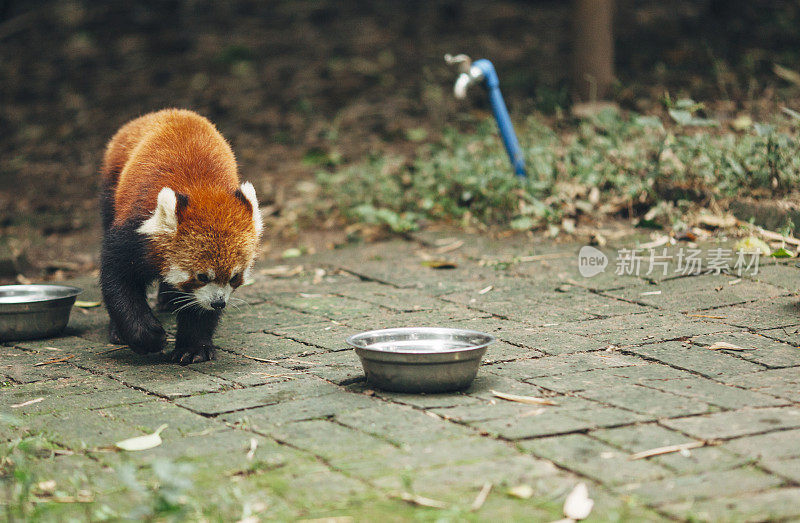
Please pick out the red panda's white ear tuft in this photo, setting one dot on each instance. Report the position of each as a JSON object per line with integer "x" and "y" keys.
{"x": 164, "y": 220}
{"x": 250, "y": 193}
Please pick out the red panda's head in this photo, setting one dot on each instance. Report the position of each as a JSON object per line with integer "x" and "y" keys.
{"x": 205, "y": 242}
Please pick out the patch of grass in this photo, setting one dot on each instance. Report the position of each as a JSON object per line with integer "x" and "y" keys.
{"x": 635, "y": 162}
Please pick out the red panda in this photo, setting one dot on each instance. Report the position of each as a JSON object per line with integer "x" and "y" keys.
{"x": 173, "y": 210}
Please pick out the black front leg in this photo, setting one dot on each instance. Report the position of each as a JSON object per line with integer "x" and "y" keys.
{"x": 123, "y": 280}
{"x": 193, "y": 343}
{"x": 132, "y": 321}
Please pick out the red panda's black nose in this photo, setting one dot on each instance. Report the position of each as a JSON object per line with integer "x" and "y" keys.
{"x": 218, "y": 304}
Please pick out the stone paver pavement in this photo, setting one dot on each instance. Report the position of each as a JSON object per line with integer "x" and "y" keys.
{"x": 283, "y": 426}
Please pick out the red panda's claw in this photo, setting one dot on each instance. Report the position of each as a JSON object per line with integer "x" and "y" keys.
{"x": 187, "y": 355}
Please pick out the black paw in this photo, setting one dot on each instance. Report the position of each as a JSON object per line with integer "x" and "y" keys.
{"x": 114, "y": 336}
{"x": 146, "y": 337}
{"x": 196, "y": 354}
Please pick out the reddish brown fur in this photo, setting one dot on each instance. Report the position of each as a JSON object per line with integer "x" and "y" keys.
{"x": 182, "y": 150}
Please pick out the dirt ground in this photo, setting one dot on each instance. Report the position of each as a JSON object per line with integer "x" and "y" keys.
{"x": 299, "y": 86}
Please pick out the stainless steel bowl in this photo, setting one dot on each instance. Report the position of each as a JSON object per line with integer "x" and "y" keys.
{"x": 420, "y": 359}
{"x": 34, "y": 311}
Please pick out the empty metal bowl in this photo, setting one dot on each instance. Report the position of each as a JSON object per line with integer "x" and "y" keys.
{"x": 420, "y": 359}
{"x": 34, "y": 311}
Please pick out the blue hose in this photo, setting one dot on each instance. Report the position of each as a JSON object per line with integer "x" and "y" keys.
{"x": 500, "y": 111}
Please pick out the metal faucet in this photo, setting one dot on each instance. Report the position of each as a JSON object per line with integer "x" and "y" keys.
{"x": 482, "y": 71}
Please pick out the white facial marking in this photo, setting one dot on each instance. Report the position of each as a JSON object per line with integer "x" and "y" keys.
{"x": 176, "y": 275}
{"x": 163, "y": 219}
{"x": 212, "y": 292}
{"x": 250, "y": 193}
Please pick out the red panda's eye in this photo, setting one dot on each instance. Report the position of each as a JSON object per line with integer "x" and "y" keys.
{"x": 203, "y": 278}
{"x": 236, "y": 279}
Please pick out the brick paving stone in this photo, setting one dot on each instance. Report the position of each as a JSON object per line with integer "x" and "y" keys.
{"x": 342, "y": 367}
{"x": 449, "y": 483}
{"x": 285, "y": 416}
{"x": 701, "y": 486}
{"x": 697, "y": 359}
{"x": 154, "y": 373}
{"x": 781, "y": 274}
{"x": 303, "y": 409}
{"x": 732, "y": 424}
{"x": 238, "y": 399}
{"x": 648, "y": 327}
{"x": 789, "y": 468}
{"x": 563, "y": 364}
{"x": 544, "y": 339}
{"x": 697, "y": 293}
{"x": 331, "y": 441}
{"x": 601, "y": 378}
{"x": 777, "y": 445}
{"x": 149, "y": 415}
{"x": 772, "y": 505}
{"x": 651, "y": 402}
{"x": 758, "y": 348}
{"x": 261, "y": 317}
{"x": 401, "y": 425}
{"x": 244, "y": 372}
{"x": 537, "y": 305}
{"x": 769, "y": 313}
{"x": 329, "y": 336}
{"x": 266, "y": 346}
{"x": 595, "y": 459}
{"x": 725, "y": 396}
{"x": 388, "y": 297}
{"x": 784, "y": 383}
{"x": 648, "y": 436}
{"x": 790, "y": 335}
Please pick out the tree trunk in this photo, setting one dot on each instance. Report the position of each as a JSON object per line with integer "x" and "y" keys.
{"x": 593, "y": 48}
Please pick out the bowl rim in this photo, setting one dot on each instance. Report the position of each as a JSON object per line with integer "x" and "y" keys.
{"x": 353, "y": 340}
{"x": 72, "y": 292}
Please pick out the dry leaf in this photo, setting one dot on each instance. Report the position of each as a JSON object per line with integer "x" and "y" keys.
{"x": 87, "y": 304}
{"x": 721, "y": 345}
{"x": 529, "y": 400}
{"x": 578, "y": 505}
{"x": 142, "y": 442}
{"x": 521, "y": 491}
{"x": 439, "y": 264}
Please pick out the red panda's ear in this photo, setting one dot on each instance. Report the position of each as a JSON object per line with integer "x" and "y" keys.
{"x": 247, "y": 193}
{"x": 164, "y": 219}
{"x": 181, "y": 203}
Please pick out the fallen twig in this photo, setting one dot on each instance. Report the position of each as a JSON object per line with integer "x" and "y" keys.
{"x": 450, "y": 247}
{"x": 668, "y": 449}
{"x": 26, "y": 403}
{"x": 481, "y": 497}
{"x": 53, "y": 360}
{"x": 550, "y": 256}
{"x": 529, "y": 400}
{"x": 707, "y": 316}
{"x": 420, "y": 500}
{"x": 721, "y": 345}
{"x": 115, "y": 349}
